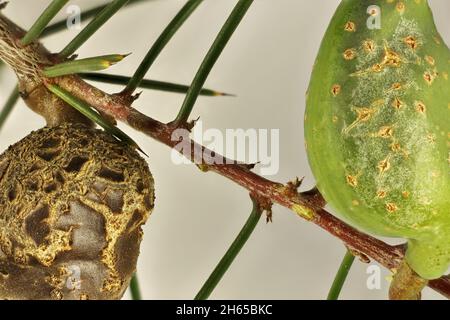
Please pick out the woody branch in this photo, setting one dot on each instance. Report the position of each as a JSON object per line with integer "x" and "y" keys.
{"x": 26, "y": 61}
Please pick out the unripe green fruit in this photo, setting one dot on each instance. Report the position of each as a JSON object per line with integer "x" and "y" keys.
{"x": 72, "y": 203}
{"x": 377, "y": 126}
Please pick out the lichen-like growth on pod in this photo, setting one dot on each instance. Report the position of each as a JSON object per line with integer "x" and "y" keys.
{"x": 72, "y": 203}
{"x": 377, "y": 126}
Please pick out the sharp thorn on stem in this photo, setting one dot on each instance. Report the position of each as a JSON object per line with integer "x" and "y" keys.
{"x": 291, "y": 187}
{"x": 191, "y": 124}
{"x": 250, "y": 166}
{"x": 136, "y": 96}
{"x": 315, "y": 197}
{"x": 247, "y": 166}
{"x": 296, "y": 183}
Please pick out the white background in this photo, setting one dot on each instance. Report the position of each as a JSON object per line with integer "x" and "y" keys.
{"x": 267, "y": 64}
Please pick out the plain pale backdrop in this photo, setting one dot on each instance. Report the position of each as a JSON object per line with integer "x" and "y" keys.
{"x": 267, "y": 64}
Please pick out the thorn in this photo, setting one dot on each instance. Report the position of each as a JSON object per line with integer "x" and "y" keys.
{"x": 126, "y": 97}
{"x": 224, "y": 94}
{"x": 249, "y": 166}
{"x": 73, "y": 57}
{"x": 291, "y": 188}
{"x": 3, "y": 5}
{"x": 252, "y": 166}
{"x": 296, "y": 183}
{"x": 315, "y": 197}
{"x": 196, "y": 120}
{"x": 136, "y": 96}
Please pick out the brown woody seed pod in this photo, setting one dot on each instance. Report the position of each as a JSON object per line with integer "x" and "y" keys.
{"x": 72, "y": 203}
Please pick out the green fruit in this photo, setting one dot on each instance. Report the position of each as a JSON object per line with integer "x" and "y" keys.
{"x": 377, "y": 126}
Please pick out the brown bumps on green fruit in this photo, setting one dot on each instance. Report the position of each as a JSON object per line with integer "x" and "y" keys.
{"x": 72, "y": 203}
{"x": 378, "y": 126}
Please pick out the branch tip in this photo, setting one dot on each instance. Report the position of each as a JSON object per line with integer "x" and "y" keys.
{"x": 191, "y": 124}
{"x": 249, "y": 166}
{"x": 136, "y": 96}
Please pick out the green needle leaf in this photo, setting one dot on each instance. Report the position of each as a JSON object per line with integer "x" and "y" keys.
{"x": 148, "y": 84}
{"x": 213, "y": 54}
{"x": 231, "y": 254}
{"x": 49, "y": 13}
{"x": 81, "y": 65}
{"x": 92, "y": 27}
{"x": 341, "y": 276}
{"x": 8, "y": 107}
{"x": 160, "y": 43}
{"x": 93, "y": 115}
{"x": 134, "y": 288}
{"x": 86, "y": 15}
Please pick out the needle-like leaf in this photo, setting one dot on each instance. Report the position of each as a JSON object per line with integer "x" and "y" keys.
{"x": 160, "y": 43}
{"x": 92, "y": 27}
{"x": 93, "y": 115}
{"x": 147, "y": 84}
{"x": 213, "y": 54}
{"x": 341, "y": 276}
{"x": 83, "y": 65}
{"x": 86, "y": 15}
{"x": 8, "y": 107}
{"x": 231, "y": 254}
{"x": 49, "y": 13}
